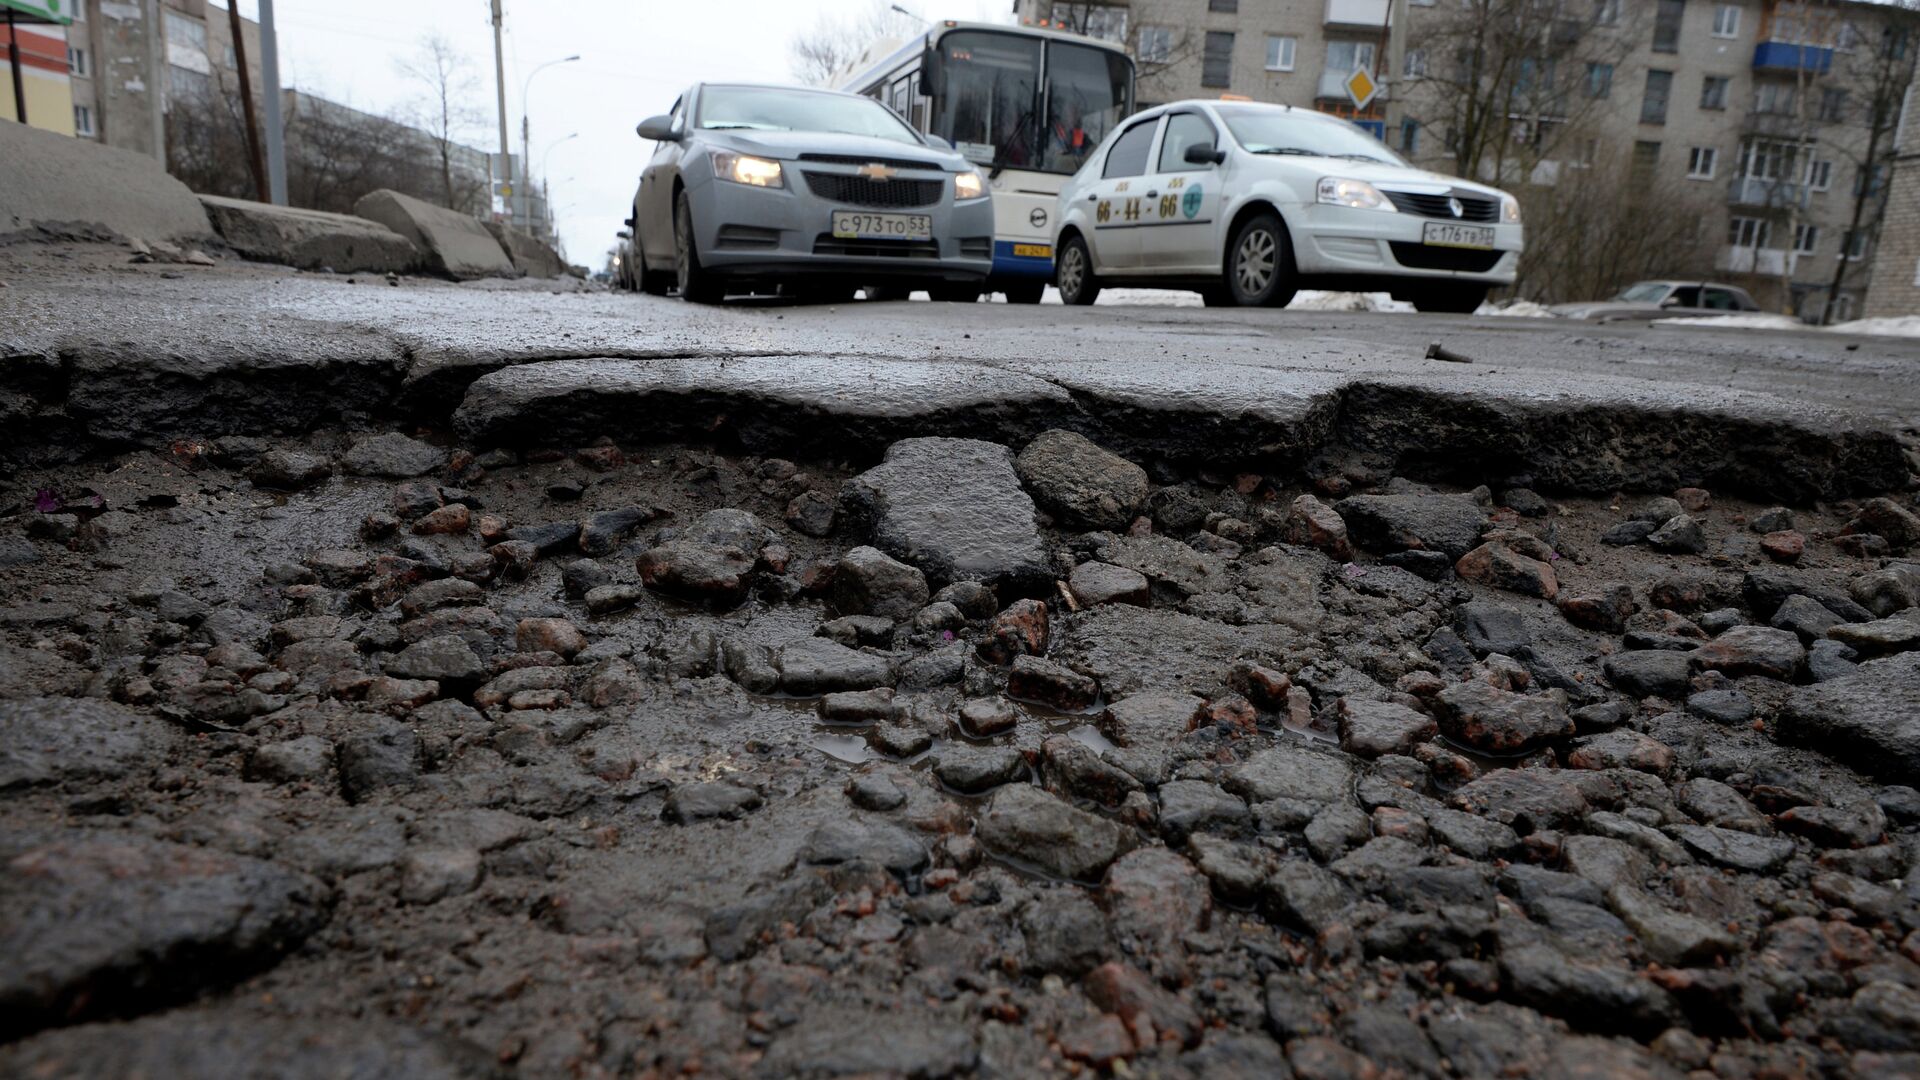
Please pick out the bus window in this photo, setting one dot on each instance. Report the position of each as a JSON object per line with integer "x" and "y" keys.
{"x": 987, "y": 96}
{"x": 1087, "y": 91}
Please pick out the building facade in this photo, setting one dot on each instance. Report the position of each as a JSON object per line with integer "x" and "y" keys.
{"x": 44, "y": 82}
{"x": 1895, "y": 289}
{"x": 1763, "y": 119}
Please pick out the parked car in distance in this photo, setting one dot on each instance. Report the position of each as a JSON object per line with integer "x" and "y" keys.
{"x": 815, "y": 192}
{"x": 1248, "y": 203}
{"x": 1646, "y": 300}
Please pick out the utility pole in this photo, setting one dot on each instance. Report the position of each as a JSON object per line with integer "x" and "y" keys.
{"x": 270, "y": 97}
{"x": 156, "y": 81}
{"x": 505, "y": 172}
{"x": 1396, "y": 34}
{"x": 255, "y": 157}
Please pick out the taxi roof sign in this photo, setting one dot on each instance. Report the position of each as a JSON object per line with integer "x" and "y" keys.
{"x": 1361, "y": 87}
{"x": 60, "y": 11}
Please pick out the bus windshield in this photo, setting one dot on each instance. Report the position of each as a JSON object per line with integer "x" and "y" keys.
{"x": 1088, "y": 91}
{"x": 987, "y": 96}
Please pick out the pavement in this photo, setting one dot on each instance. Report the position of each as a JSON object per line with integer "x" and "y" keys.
{"x": 1586, "y": 407}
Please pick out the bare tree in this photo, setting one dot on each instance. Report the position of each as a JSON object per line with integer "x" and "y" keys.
{"x": 1580, "y": 240}
{"x": 1152, "y": 31}
{"x": 836, "y": 43}
{"x": 1502, "y": 82}
{"x": 446, "y": 110}
{"x": 1883, "y": 73}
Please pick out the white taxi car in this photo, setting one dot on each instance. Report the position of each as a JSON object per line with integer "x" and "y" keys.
{"x": 1247, "y": 203}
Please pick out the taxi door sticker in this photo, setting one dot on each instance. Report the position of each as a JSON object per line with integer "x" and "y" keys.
{"x": 1168, "y": 205}
{"x": 1190, "y": 203}
{"x": 1103, "y": 212}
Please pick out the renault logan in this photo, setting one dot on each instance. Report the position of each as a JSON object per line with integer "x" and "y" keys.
{"x": 1247, "y": 203}
{"x": 813, "y": 191}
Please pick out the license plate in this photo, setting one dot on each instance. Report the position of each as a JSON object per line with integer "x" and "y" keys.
{"x": 858, "y": 225}
{"x": 1442, "y": 234}
{"x": 1033, "y": 251}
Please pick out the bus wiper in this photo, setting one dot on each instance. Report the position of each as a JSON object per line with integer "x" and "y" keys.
{"x": 999, "y": 163}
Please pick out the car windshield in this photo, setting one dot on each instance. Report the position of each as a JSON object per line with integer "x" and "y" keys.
{"x": 1270, "y": 130}
{"x": 760, "y": 108}
{"x": 1646, "y": 292}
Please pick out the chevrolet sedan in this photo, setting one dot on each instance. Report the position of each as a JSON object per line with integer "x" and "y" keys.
{"x": 1248, "y": 203}
{"x": 813, "y": 192}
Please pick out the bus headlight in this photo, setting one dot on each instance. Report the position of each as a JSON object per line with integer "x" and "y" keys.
{"x": 1335, "y": 191}
{"x": 969, "y": 185}
{"x": 745, "y": 169}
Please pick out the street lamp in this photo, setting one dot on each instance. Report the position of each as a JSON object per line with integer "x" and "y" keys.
{"x": 526, "y": 129}
{"x": 551, "y": 147}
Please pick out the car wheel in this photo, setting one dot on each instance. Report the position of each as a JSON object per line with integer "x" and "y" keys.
{"x": 651, "y": 282}
{"x": 1027, "y": 292}
{"x": 955, "y": 294}
{"x": 1450, "y": 298}
{"x": 1073, "y": 273}
{"x": 697, "y": 284}
{"x": 1260, "y": 263}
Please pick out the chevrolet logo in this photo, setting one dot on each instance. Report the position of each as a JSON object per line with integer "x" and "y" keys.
{"x": 877, "y": 171}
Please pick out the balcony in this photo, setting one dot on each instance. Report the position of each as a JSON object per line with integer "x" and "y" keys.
{"x": 1785, "y": 56}
{"x": 1770, "y": 194}
{"x": 1365, "y": 14}
{"x": 1746, "y": 260}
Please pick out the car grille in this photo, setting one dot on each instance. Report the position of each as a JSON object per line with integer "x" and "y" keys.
{"x": 1473, "y": 207}
{"x": 829, "y": 244}
{"x": 747, "y": 236}
{"x": 886, "y": 194}
{"x": 854, "y": 159}
{"x": 1425, "y": 257}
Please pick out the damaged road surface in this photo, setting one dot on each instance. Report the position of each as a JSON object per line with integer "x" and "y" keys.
{"x": 567, "y": 710}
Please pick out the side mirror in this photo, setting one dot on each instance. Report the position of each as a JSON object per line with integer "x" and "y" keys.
{"x": 624, "y": 234}
{"x": 628, "y": 222}
{"x": 930, "y": 64}
{"x": 1204, "y": 154}
{"x": 1671, "y": 301}
{"x": 658, "y": 129}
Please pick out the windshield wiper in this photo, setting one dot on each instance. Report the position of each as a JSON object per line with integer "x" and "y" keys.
{"x": 1361, "y": 157}
{"x": 1293, "y": 150}
{"x": 727, "y": 126}
{"x": 999, "y": 163}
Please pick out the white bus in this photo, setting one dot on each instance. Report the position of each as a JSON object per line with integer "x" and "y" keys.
{"x": 1025, "y": 105}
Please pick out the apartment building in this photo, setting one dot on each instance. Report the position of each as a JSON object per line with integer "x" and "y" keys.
{"x": 45, "y": 88}
{"x": 1761, "y": 107}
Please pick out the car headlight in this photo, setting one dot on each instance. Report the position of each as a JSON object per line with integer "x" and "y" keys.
{"x": 1509, "y": 209}
{"x": 969, "y": 185}
{"x": 746, "y": 169}
{"x": 1336, "y": 191}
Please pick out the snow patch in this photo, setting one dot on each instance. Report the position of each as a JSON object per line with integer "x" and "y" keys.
{"x": 1743, "y": 321}
{"x": 1518, "y": 309}
{"x": 1885, "y": 326}
{"x": 1318, "y": 300}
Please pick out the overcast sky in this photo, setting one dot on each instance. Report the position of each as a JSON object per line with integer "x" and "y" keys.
{"x": 635, "y": 57}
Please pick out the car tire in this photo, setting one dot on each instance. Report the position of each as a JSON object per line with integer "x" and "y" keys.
{"x": 651, "y": 282}
{"x": 955, "y": 294}
{"x": 1450, "y": 298}
{"x": 1073, "y": 274}
{"x": 1027, "y": 292}
{"x": 697, "y": 284}
{"x": 1259, "y": 271}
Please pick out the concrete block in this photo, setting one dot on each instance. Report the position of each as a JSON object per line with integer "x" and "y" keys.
{"x": 530, "y": 256}
{"x": 48, "y": 179}
{"x": 310, "y": 239}
{"x": 452, "y": 244}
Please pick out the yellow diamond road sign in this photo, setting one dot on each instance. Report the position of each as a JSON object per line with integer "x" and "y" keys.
{"x": 1361, "y": 88}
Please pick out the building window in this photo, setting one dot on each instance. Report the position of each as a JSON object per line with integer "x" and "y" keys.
{"x": 1409, "y": 136}
{"x": 1156, "y": 44}
{"x": 1653, "y": 107}
{"x": 1228, "y": 6}
{"x": 1726, "y": 21}
{"x": 1847, "y": 38}
{"x": 1806, "y": 239}
{"x": 1833, "y": 104}
{"x": 77, "y": 65}
{"x": 1820, "y": 175}
{"x": 232, "y": 59}
{"x": 1701, "y": 161}
{"x": 185, "y": 85}
{"x": 1856, "y": 245}
{"x": 1280, "y": 52}
{"x": 1107, "y": 22}
{"x": 1599, "y": 80}
{"x": 1415, "y": 64}
{"x": 1585, "y": 153}
{"x": 1666, "y": 25}
{"x": 83, "y": 120}
{"x": 1746, "y": 232}
{"x": 1606, "y": 12}
{"x": 1348, "y": 56}
{"x": 1216, "y": 65}
{"x": 1713, "y": 92}
{"x": 1646, "y": 155}
{"x": 1774, "y": 99}
{"x": 1868, "y": 181}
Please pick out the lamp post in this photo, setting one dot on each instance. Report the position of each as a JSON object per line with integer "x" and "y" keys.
{"x": 526, "y": 131}
{"x": 546, "y": 198}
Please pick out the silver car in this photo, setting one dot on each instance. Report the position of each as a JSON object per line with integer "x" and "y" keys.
{"x": 815, "y": 192}
{"x": 1647, "y": 300}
